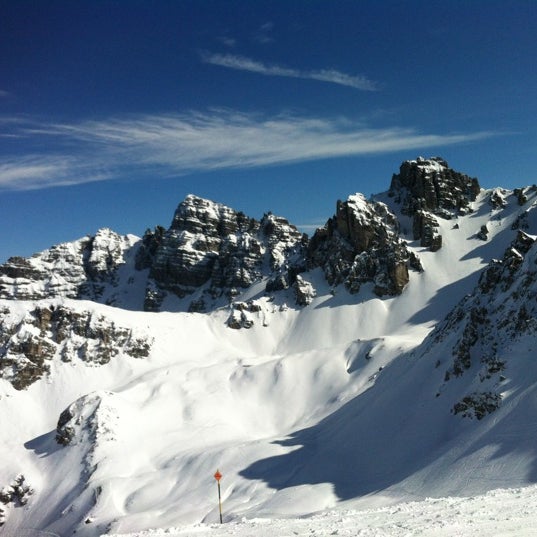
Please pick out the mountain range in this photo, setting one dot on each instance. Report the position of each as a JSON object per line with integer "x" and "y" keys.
{"x": 386, "y": 358}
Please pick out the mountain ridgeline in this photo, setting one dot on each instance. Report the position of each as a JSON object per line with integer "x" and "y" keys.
{"x": 210, "y": 252}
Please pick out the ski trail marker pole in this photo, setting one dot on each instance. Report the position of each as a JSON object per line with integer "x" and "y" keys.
{"x": 218, "y": 476}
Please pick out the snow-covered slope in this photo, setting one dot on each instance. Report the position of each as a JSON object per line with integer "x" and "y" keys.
{"x": 366, "y": 394}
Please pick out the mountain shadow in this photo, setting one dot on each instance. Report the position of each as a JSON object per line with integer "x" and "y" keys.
{"x": 400, "y": 430}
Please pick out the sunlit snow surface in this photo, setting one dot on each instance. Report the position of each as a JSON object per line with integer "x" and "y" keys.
{"x": 499, "y": 513}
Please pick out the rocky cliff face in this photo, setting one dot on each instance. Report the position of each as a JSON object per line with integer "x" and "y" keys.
{"x": 429, "y": 188}
{"x": 361, "y": 244}
{"x": 209, "y": 248}
{"x": 212, "y": 246}
{"x": 431, "y": 185}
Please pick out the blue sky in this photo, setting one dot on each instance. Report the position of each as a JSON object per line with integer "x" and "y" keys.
{"x": 112, "y": 111}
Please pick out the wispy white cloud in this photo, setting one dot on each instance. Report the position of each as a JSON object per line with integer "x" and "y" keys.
{"x": 177, "y": 144}
{"x": 4, "y": 94}
{"x": 264, "y": 33}
{"x": 227, "y": 41}
{"x": 34, "y": 172}
{"x": 241, "y": 63}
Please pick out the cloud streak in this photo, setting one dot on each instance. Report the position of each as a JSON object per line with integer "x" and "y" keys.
{"x": 241, "y": 63}
{"x": 35, "y": 172}
{"x": 263, "y": 34}
{"x": 170, "y": 145}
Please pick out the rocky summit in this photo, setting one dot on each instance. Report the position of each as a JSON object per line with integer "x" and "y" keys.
{"x": 362, "y": 244}
{"x": 429, "y": 188}
{"x": 218, "y": 250}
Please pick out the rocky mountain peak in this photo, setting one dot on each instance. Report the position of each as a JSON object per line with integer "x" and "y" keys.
{"x": 361, "y": 244}
{"x": 214, "y": 247}
{"x": 210, "y": 251}
{"x": 201, "y": 216}
{"x": 429, "y": 188}
{"x": 431, "y": 185}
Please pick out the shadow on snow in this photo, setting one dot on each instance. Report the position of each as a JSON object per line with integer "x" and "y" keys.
{"x": 399, "y": 430}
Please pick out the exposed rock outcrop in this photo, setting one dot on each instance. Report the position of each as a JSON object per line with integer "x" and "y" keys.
{"x": 244, "y": 314}
{"x": 151, "y": 241}
{"x": 89, "y": 417}
{"x": 498, "y": 198}
{"x": 28, "y": 343}
{"x": 483, "y": 233}
{"x": 478, "y": 405}
{"x": 212, "y": 246}
{"x": 17, "y": 494}
{"x": 427, "y": 187}
{"x": 522, "y": 194}
{"x": 424, "y": 227}
{"x": 361, "y": 244}
{"x": 304, "y": 291}
{"x": 431, "y": 185}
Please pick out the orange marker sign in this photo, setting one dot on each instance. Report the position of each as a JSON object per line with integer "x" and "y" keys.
{"x": 218, "y": 476}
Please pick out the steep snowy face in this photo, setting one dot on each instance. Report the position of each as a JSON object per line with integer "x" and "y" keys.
{"x": 361, "y": 244}
{"x": 81, "y": 269}
{"x": 211, "y": 245}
